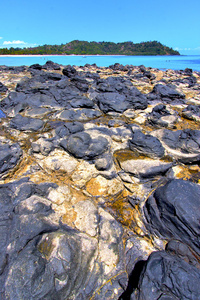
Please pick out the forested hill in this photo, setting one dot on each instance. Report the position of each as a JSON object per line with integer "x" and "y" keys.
{"x": 93, "y": 48}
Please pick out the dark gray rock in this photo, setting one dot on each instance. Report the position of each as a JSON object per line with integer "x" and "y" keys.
{"x": 68, "y": 128}
{"x": 26, "y": 123}
{"x": 183, "y": 145}
{"x": 112, "y": 102}
{"x": 69, "y": 71}
{"x": 43, "y": 259}
{"x": 191, "y": 112}
{"x": 36, "y": 67}
{"x": 160, "y": 116}
{"x": 14, "y": 103}
{"x": 166, "y": 93}
{"x": 74, "y": 127}
{"x": 84, "y": 102}
{"x": 3, "y": 88}
{"x": 80, "y": 82}
{"x": 23, "y": 216}
{"x": 119, "y": 67}
{"x": 9, "y": 156}
{"x": 50, "y": 65}
{"x": 81, "y": 145}
{"x": 167, "y": 276}
{"x": 146, "y": 145}
{"x": 172, "y": 212}
{"x": 79, "y": 114}
{"x": 188, "y": 71}
{"x": 118, "y": 88}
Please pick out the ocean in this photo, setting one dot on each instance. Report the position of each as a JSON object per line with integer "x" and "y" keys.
{"x": 160, "y": 62}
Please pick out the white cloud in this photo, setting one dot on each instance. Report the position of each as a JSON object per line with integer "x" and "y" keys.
{"x": 15, "y": 42}
{"x": 0, "y": 37}
{"x": 186, "y": 49}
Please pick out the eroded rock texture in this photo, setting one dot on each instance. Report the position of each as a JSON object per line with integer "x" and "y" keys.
{"x": 99, "y": 183}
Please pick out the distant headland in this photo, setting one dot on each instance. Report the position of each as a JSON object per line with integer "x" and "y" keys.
{"x": 77, "y": 47}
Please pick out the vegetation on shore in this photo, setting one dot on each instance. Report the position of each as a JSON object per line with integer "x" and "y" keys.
{"x": 94, "y": 48}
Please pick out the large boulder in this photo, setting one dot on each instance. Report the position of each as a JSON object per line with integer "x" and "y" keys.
{"x": 172, "y": 212}
{"x": 168, "y": 275}
{"x": 42, "y": 257}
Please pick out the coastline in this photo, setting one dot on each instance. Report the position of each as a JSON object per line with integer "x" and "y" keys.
{"x": 42, "y": 55}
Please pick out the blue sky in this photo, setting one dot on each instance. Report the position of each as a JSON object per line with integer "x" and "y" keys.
{"x": 29, "y": 23}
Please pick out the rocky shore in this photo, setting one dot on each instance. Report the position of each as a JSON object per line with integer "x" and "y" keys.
{"x": 99, "y": 183}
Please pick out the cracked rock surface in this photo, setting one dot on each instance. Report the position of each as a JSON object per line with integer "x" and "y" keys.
{"x": 99, "y": 183}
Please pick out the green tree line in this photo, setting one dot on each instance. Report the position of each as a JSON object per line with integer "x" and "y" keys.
{"x": 93, "y": 48}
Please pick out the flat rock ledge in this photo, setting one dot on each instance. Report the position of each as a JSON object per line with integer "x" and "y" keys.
{"x": 99, "y": 183}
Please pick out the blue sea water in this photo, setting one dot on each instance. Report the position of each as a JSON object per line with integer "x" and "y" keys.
{"x": 160, "y": 62}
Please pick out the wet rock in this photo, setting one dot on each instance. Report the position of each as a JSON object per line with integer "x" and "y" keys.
{"x": 81, "y": 145}
{"x": 172, "y": 212}
{"x": 26, "y": 123}
{"x": 146, "y": 145}
{"x": 3, "y": 88}
{"x": 9, "y": 156}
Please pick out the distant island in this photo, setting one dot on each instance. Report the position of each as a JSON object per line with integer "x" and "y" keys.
{"x": 95, "y": 48}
